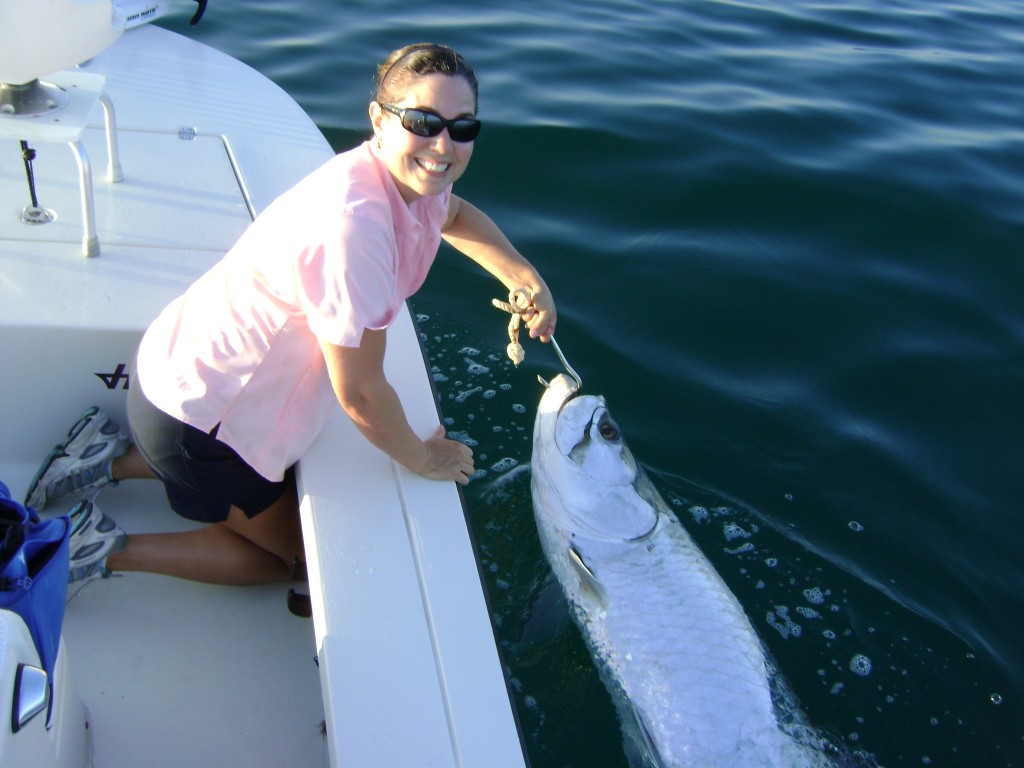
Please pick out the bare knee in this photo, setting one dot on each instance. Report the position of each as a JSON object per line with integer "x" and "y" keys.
{"x": 276, "y": 530}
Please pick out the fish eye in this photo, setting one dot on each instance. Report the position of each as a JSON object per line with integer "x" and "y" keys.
{"x": 608, "y": 429}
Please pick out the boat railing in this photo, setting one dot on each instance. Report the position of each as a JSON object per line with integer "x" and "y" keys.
{"x": 43, "y": 100}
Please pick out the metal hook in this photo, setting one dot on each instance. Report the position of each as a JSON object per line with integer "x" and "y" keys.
{"x": 569, "y": 368}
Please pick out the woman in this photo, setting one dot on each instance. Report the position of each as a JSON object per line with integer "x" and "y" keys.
{"x": 236, "y": 377}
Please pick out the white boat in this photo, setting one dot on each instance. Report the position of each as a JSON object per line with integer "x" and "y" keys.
{"x": 152, "y": 156}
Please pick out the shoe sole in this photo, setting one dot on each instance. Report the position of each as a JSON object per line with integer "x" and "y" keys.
{"x": 60, "y": 451}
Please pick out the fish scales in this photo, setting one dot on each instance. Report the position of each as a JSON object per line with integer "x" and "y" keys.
{"x": 660, "y": 621}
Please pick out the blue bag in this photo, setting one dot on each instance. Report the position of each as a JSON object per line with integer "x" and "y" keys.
{"x": 34, "y": 558}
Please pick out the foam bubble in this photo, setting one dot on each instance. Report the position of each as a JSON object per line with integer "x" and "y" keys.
{"x": 781, "y": 622}
{"x": 814, "y": 596}
{"x": 734, "y": 531}
{"x": 475, "y": 368}
{"x": 489, "y": 393}
{"x": 860, "y": 665}
{"x": 747, "y": 547}
{"x": 505, "y": 387}
{"x": 505, "y": 464}
{"x": 519, "y": 408}
{"x": 462, "y": 437}
{"x": 853, "y": 525}
{"x": 462, "y": 396}
{"x": 471, "y": 351}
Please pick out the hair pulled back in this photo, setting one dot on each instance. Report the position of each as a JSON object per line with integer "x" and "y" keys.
{"x": 399, "y": 69}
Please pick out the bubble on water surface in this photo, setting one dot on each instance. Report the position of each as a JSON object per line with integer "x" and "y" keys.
{"x": 734, "y": 531}
{"x": 780, "y": 621}
{"x": 860, "y": 665}
{"x": 853, "y": 525}
{"x": 699, "y": 514}
{"x": 476, "y": 368}
{"x": 462, "y": 396}
{"x": 814, "y": 595}
{"x": 462, "y": 437}
{"x": 471, "y": 351}
{"x": 519, "y": 408}
{"x": 505, "y": 464}
{"x": 505, "y": 387}
{"x": 996, "y": 698}
{"x": 748, "y": 547}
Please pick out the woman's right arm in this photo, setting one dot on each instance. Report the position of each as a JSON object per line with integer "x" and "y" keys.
{"x": 357, "y": 376}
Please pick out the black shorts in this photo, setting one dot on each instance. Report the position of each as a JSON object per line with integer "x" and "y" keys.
{"x": 202, "y": 476}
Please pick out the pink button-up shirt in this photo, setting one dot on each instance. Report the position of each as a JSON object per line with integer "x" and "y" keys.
{"x": 338, "y": 253}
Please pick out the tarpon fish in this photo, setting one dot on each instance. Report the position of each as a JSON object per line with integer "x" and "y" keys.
{"x": 673, "y": 644}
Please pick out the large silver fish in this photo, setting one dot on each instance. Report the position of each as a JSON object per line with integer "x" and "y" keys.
{"x": 674, "y": 645}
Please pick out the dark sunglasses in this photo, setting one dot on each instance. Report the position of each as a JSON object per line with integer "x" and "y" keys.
{"x": 425, "y": 122}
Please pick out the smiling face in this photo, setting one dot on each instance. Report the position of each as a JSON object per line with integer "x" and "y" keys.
{"x": 423, "y": 165}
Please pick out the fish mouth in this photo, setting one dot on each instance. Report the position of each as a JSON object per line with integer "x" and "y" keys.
{"x": 559, "y": 391}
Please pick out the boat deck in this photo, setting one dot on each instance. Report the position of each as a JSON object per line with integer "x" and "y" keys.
{"x": 175, "y": 673}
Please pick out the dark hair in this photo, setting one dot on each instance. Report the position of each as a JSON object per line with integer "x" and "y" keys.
{"x": 421, "y": 59}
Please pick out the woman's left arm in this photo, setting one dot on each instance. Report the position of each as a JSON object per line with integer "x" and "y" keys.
{"x": 472, "y": 232}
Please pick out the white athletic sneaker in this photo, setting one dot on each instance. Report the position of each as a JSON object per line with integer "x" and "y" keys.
{"x": 94, "y": 536}
{"x": 81, "y": 462}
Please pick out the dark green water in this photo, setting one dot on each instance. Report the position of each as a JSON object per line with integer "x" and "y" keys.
{"x": 786, "y": 241}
